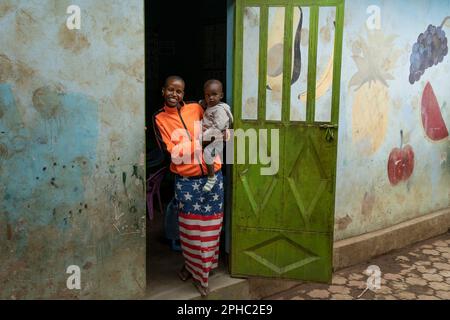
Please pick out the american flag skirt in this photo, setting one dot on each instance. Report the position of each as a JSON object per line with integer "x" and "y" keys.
{"x": 200, "y": 222}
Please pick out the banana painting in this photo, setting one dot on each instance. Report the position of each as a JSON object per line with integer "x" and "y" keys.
{"x": 276, "y": 49}
{"x": 323, "y": 84}
{"x": 275, "y": 57}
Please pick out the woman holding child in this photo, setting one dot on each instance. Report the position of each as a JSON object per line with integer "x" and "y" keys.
{"x": 198, "y": 187}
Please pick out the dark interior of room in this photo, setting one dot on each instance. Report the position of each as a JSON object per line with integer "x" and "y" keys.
{"x": 185, "y": 38}
{"x": 189, "y": 39}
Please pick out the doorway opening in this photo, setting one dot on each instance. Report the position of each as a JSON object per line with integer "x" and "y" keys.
{"x": 188, "y": 39}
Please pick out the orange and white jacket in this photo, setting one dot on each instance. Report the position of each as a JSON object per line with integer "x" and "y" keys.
{"x": 178, "y": 132}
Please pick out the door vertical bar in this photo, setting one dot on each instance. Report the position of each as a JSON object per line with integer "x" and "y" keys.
{"x": 287, "y": 65}
{"x": 237, "y": 93}
{"x": 238, "y": 61}
{"x": 312, "y": 62}
{"x": 263, "y": 35}
{"x": 337, "y": 63}
{"x": 231, "y": 8}
{"x": 286, "y": 105}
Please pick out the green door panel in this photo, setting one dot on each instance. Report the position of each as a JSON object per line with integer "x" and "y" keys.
{"x": 259, "y": 196}
{"x": 309, "y": 180}
{"x": 283, "y": 254}
{"x": 282, "y": 224}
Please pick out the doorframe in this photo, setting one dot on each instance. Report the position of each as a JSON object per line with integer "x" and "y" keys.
{"x": 231, "y": 25}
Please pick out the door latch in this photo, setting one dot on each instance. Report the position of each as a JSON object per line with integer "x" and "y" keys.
{"x": 329, "y": 136}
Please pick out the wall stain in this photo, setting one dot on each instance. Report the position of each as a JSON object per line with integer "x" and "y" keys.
{"x": 6, "y": 7}
{"x": 368, "y": 204}
{"x": 3, "y": 151}
{"x": 6, "y": 68}
{"x": 251, "y": 17}
{"x": 26, "y": 26}
{"x": 19, "y": 71}
{"x": 122, "y": 102}
{"x": 23, "y": 73}
{"x": 8, "y": 231}
{"x": 72, "y": 40}
{"x": 48, "y": 101}
{"x": 251, "y": 107}
{"x": 135, "y": 70}
{"x": 343, "y": 223}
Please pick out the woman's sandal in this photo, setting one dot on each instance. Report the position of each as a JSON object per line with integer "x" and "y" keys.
{"x": 203, "y": 290}
{"x": 184, "y": 274}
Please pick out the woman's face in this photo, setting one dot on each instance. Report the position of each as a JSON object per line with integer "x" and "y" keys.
{"x": 173, "y": 93}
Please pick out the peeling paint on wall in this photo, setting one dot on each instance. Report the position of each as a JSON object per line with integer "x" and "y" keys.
{"x": 62, "y": 127}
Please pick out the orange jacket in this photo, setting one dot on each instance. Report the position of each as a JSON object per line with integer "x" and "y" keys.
{"x": 170, "y": 131}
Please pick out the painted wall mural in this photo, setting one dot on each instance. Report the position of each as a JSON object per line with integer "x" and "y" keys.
{"x": 325, "y": 60}
{"x": 432, "y": 120}
{"x": 299, "y": 83}
{"x": 429, "y": 50}
{"x": 400, "y": 163}
{"x": 375, "y": 58}
{"x": 397, "y": 83}
{"x": 300, "y": 58}
{"x": 71, "y": 150}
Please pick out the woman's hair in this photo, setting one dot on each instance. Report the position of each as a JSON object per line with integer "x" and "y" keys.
{"x": 173, "y": 78}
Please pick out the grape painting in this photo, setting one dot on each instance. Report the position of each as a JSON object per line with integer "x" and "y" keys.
{"x": 429, "y": 50}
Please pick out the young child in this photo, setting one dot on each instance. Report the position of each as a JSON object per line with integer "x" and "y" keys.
{"x": 216, "y": 119}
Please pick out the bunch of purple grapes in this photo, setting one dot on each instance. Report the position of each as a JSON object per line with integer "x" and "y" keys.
{"x": 429, "y": 50}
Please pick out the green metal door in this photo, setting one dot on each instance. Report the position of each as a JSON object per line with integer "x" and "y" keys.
{"x": 287, "y": 80}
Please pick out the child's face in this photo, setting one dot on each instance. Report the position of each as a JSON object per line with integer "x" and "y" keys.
{"x": 213, "y": 94}
{"x": 173, "y": 93}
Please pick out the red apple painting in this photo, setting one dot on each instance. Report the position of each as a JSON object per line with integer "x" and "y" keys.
{"x": 401, "y": 163}
{"x": 432, "y": 120}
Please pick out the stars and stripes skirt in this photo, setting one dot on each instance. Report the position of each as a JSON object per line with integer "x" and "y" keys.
{"x": 200, "y": 222}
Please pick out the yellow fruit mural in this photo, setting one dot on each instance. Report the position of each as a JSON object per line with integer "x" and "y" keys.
{"x": 370, "y": 116}
{"x": 375, "y": 58}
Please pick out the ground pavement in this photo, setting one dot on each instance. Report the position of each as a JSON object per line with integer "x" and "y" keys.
{"x": 419, "y": 272}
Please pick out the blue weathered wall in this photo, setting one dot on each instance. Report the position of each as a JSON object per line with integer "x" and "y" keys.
{"x": 378, "y": 101}
{"x": 72, "y": 149}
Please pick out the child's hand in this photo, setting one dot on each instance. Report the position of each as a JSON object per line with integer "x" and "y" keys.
{"x": 226, "y": 135}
